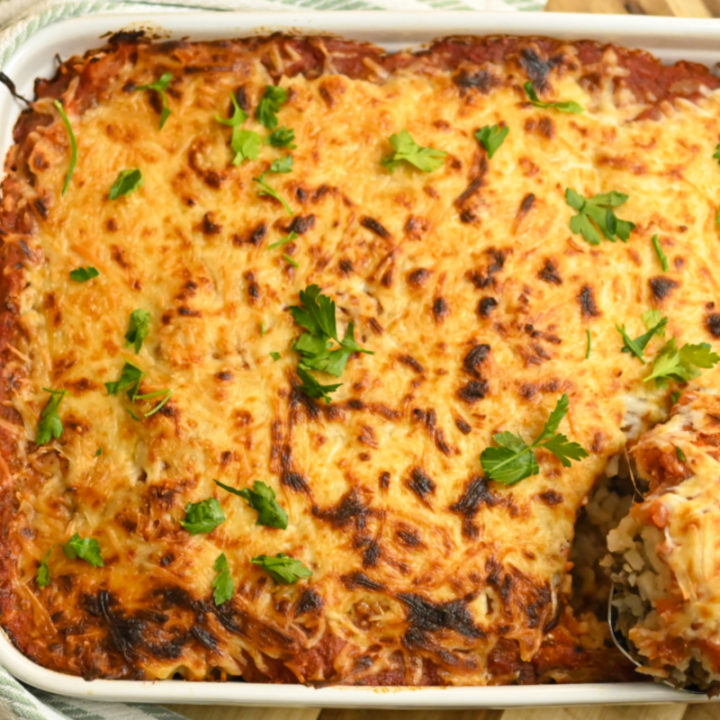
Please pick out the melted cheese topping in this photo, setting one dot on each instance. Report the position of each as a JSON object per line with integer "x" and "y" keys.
{"x": 422, "y": 571}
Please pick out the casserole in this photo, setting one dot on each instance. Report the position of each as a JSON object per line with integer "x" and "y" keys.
{"x": 323, "y": 701}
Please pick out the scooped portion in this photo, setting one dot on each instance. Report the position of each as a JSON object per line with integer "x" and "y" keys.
{"x": 665, "y": 555}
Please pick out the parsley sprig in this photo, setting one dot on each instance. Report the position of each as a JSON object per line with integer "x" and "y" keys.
{"x": 73, "y": 143}
{"x": 283, "y": 137}
{"x": 223, "y": 584}
{"x": 320, "y": 348}
{"x": 50, "y": 425}
{"x": 514, "y": 460}
{"x": 655, "y": 325}
{"x": 491, "y": 137}
{"x": 407, "y": 150}
{"x": 87, "y": 549}
{"x": 160, "y": 86}
{"x": 261, "y": 498}
{"x": 138, "y": 328}
{"x": 83, "y": 274}
{"x": 567, "y": 106}
{"x": 282, "y": 568}
{"x": 681, "y": 364}
{"x": 203, "y": 516}
{"x": 661, "y": 256}
{"x": 129, "y": 382}
{"x": 272, "y": 100}
{"x": 245, "y": 144}
{"x": 596, "y": 217}
{"x": 126, "y": 181}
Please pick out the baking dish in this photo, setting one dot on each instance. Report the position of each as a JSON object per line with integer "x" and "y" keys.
{"x": 393, "y": 31}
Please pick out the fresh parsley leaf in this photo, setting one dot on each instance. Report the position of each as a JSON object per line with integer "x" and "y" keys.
{"x": 292, "y": 235}
{"x": 514, "y": 460}
{"x": 491, "y": 137}
{"x": 42, "y": 576}
{"x": 245, "y": 144}
{"x": 262, "y": 499}
{"x": 83, "y": 274}
{"x": 316, "y": 312}
{"x": 312, "y": 388}
{"x": 223, "y": 584}
{"x": 126, "y": 181}
{"x": 568, "y": 106}
{"x": 407, "y": 150}
{"x": 73, "y": 143}
{"x": 660, "y": 253}
{"x": 129, "y": 380}
{"x": 282, "y": 568}
{"x": 138, "y": 328}
{"x": 588, "y": 343}
{"x": 87, "y": 549}
{"x": 638, "y": 345}
{"x": 50, "y": 425}
{"x": 275, "y": 355}
{"x": 680, "y": 454}
{"x": 266, "y": 189}
{"x": 282, "y": 165}
{"x": 203, "y": 516}
{"x": 160, "y": 86}
{"x": 283, "y": 137}
{"x": 272, "y": 100}
{"x": 681, "y": 364}
{"x": 595, "y": 216}
{"x": 652, "y": 317}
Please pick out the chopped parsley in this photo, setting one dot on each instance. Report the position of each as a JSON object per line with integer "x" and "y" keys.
{"x": 716, "y": 154}
{"x": 596, "y": 216}
{"x": 283, "y": 569}
{"x": 588, "y": 343}
{"x": 42, "y": 576}
{"x": 83, "y": 274}
{"x": 637, "y": 346}
{"x": 98, "y": 452}
{"x": 138, "y": 328}
{"x": 568, "y": 106}
{"x": 514, "y": 460}
{"x": 203, "y": 516}
{"x": 266, "y": 189}
{"x": 126, "y": 181}
{"x": 284, "y": 241}
{"x": 129, "y": 380}
{"x": 681, "y": 364}
{"x": 223, "y": 584}
{"x": 245, "y": 144}
{"x": 282, "y": 165}
{"x": 407, "y": 150}
{"x": 87, "y": 549}
{"x": 160, "y": 86}
{"x": 491, "y": 137}
{"x": 275, "y": 355}
{"x": 314, "y": 388}
{"x": 660, "y": 253}
{"x": 164, "y": 396}
{"x": 73, "y": 143}
{"x": 289, "y": 260}
{"x": 261, "y": 498}
{"x": 272, "y": 100}
{"x": 50, "y": 425}
{"x": 717, "y": 217}
{"x": 283, "y": 137}
{"x": 680, "y": 454}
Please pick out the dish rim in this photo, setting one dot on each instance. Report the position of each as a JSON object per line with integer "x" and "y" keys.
{"x": 670, "y": 38}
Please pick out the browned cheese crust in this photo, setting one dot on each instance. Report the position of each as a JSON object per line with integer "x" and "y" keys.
{"x": 465, "y": 282}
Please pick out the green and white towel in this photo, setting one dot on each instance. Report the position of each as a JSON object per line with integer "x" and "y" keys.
{"x": 19, "y": 20}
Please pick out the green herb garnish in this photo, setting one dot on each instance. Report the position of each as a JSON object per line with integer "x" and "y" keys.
{"x": 83, "y": 274}
{"x": 282, "y": 568}
{"x": 261, "y": 498}
{"x": 275, "y": 355}
{"x": 314, "y": 388}
{"x": 223, "y": 584}
{"x": 164, "y": 396}
{"x": 272, "y": 100}
{"x": 681, "y": 364}
{"x": 138, "y": 328}
{"x": 588, "y": 343}
{"x": 126, "y": 181}
{"x": 129, "y": 380}
{"x": 513, "y": 460}
{"x": 595, "y": 216}
{"x": 42, "y": 576}
{"x": 283, "y": 137}
{"x": 290, "y": 261}
{"x": 266, "y": 189}
{"x": 87, "y": 549}
{"x": 660, "y": 254}
{"x": 292, "y": 235}
{"x": 407, "y": 150}
{"x": 716, "y": 154}
{"x": 491, "y": 137}
{"x": 680, "y": 455}
{"x": 160, "y": 87}
{"x": 638, "y": 345}
{"x": 282, "y": 165}
{"x": 245, "y": 144}
{"x": 73, "y": 144}
{"x": 568, "y": 106}
{"x": 203, "y": 516}
{"x": 50, "y": 425}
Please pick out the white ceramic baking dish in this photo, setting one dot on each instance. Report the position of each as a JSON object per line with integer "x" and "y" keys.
{"x": 669, "y": 38}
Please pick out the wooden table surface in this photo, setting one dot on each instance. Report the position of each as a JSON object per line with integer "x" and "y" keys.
{"x": 684, "y": 8}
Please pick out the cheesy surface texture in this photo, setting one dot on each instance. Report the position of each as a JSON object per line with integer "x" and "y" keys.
{"x": 466, "y": 283}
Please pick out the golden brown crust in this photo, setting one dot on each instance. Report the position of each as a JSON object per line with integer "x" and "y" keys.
{"x": 439, "y": 576}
